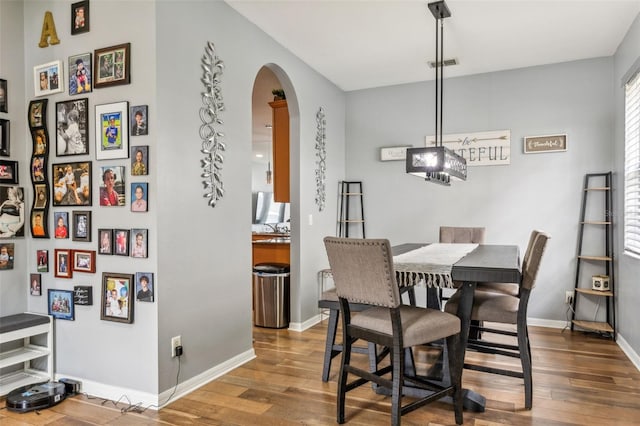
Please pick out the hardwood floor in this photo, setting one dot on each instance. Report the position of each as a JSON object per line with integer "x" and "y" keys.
{"x": 578, "y": 380}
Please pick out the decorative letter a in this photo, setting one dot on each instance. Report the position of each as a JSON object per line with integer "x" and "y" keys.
{"x": 48, "y": 31}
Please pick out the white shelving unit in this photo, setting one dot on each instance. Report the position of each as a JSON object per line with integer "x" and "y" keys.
{"x": 27, "y": 352}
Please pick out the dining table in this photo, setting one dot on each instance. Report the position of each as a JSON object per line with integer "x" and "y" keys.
{"x": 479, "y": 263}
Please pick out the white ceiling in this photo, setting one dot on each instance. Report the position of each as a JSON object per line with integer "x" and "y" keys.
{"x": 360, "y": 44}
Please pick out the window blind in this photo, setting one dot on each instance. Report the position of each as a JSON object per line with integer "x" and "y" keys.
{"x": 632, "y": 167}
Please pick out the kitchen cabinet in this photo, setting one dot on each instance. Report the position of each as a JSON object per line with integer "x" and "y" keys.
{"x": 280, "y": 138}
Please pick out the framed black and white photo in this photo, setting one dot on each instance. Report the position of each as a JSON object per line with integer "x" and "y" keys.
{"x": 81, "y": 226}
{"x": 12, "y": 212}
{"x": 72, "y": 127}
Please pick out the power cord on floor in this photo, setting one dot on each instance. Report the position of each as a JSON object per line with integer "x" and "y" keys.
{"x": 138, "y": 408}
{"x": 569, "y": 309}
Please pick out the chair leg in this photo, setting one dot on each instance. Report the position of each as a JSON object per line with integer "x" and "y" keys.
{"x": 525, "y": 358}
{"x": 397, "y": 359}
{"x": 342, "y": 380}
{"x": 456, "y": 363}
{"x": 329, "y": 352}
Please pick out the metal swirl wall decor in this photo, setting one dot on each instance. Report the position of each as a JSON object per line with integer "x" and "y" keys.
{"x": 212, "y": 144}
{"x": 321, "y": 155}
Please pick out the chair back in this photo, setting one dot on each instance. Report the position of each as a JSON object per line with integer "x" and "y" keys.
{"x": 363, "y": 271}
{"x": 532, "y": 258}
{"x": 459, "y": 234}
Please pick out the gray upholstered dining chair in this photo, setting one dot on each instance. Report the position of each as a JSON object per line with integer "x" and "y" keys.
{"x": 491, "y": 307}
{"x": 363, "y": 273}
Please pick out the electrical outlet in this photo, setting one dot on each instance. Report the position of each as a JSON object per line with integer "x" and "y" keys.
{"x": 568, "y": 298}
{"x": 175, "y": 342}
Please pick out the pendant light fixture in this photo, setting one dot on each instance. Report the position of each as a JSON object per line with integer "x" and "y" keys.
{"x": 437, "y": 164}
{"x": 269, "y": 174}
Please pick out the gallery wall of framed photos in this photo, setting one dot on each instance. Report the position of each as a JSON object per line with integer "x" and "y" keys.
{"x": 89, "y": 172}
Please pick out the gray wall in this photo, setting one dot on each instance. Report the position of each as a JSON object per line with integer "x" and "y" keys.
{"x": 536, "y": 191}
{"x": 205, "y": 253}
{"x": 13, "y": 283}
{"x": 628, "y": 297}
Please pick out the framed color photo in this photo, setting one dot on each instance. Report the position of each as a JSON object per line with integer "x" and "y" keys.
{"x": 41, "y": 196}
{"x": 4, "y": 137}
{"x": 48, "y": 78}
{"x": 139, "y": 120}
{"x": 71, "y": 184}
{"x": 84, "y": 261}
{"x": 112, "y": 186}
{"x": 37, "y": 113}
{"x": 61, "y": 224}
{"x": 139, "y": 243}
{"x": 112, "y": 131}
{"x": 63, "y": 266}
{"x": 111, "y": 66}
{"x": 6, "y": 256}
{"x": 144, "y": 286}
{"x": 61, "y": 304}
{"x": 121, "y": 239}
{"x": 81, "y": 226}
{"x": 12, "y": 212}
{"x": 80, "y": 17}
{"x": 72, "y": 127}
{"x": 80, "y": 74}
{"x": 42, "y": 260}
{"x": 139, "y": 196}
{"x": 105, "y": 241}
{"x": 35, "y": 285}
{"x": 140, "y": 160}
{"x": 117, "y": 297}
{"x": 37, "y": 224}
{"x": 4, "y": 101}
{"x": 8, "y": 172}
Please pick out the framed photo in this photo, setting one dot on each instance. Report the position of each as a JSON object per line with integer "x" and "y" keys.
{"x": 139, "y": 196}
{"x": 72, "y": 127}
{"x": 71, "y": 184}
{"x": 117, "y": 297}
{"x": 42, "y": 260}
{"x": 84, "y": 261}
{"x": 139, "y": 120}
{"x": 546, "y": 143}
{"x": 4, "y": 101}
{"x": 140, "y": 160}
{"x": 121, "y": 237}
{"x": 62, "y": 259}
{"x": 35, "y": 285}
{"x": 112, "y": 187}
{"x": 12, "y": 212}
{"x": 139, "y": 243}
{"x": 80, "y": 17}
{"x": 83, "y": 295}
{"x": 80, "y": 74}
{"x": 40, "y": 142}
{"x": 105, "y": 241}
{"x": 37, "y": 168}
{"x": 41, "y": 196}
{"x": 6, "y": 256}
{"x": 61, "y": 220}
{"x": 37, "y": 113}
{"x": 112, "y": 66}
{"x": 8, "y": 172}
{"x": 38, "y": 225}
{"x": 81, "y": 226}
{"x": 61, "y": 304}
{"x": 112, "y": 131}
{"x": 144, "y": 286}
{"x": 48, "y": 78}
{"x": 4, "y": 137}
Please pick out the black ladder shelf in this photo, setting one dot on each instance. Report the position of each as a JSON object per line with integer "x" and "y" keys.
{"x": 601, "y": 227}
{"x": 348, "y": 213}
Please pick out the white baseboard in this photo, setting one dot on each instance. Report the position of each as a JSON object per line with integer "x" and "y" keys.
{"x": 633, "y": 356}
{"x": 155, "y": 402}
{"x": 302, "y": 326}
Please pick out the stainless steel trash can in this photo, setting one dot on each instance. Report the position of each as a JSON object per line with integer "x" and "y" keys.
{"x": 271, "y": 303}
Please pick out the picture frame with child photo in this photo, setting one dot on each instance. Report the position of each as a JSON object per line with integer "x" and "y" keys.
{"x": 71, "y": 184}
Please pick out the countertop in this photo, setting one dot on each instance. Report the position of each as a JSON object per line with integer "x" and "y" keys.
{"x": 274, "y": 240}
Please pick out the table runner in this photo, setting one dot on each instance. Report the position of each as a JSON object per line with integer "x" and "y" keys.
{"x": 432, "y": 263}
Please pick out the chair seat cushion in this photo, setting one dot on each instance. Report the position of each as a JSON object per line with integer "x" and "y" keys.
{"x": 419, "y": 325}
{"x": 511, "y": 289}
{"x": 488, "y": 306}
